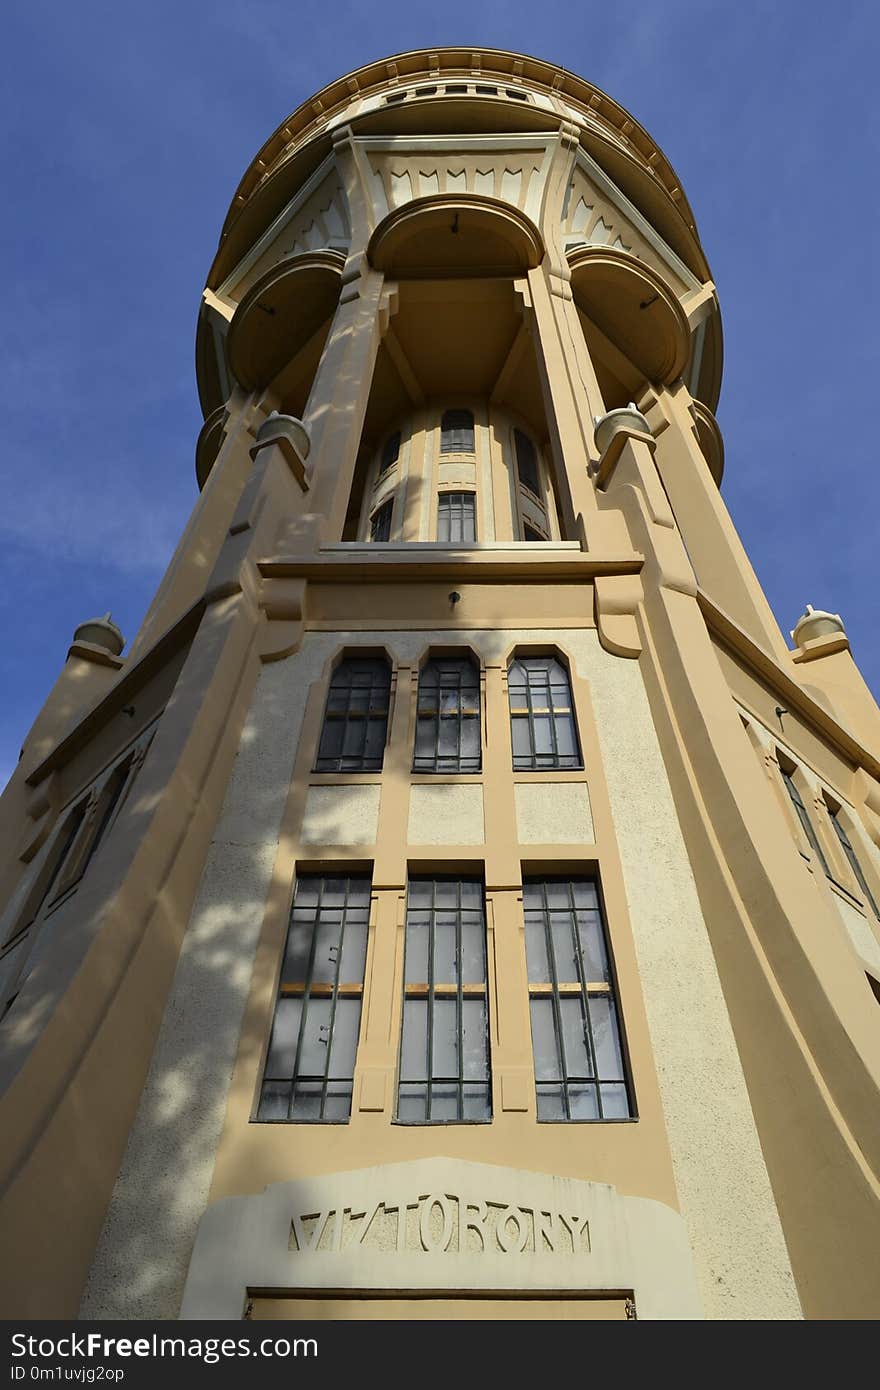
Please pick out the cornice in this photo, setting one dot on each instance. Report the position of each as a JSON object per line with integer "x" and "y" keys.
{"x": 722, "y": 626}
{"x": 313, "y": 115}
{"x": 428, "y": 561}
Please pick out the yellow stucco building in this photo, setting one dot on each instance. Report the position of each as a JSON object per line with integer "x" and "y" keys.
{"x": 460, "y": 900}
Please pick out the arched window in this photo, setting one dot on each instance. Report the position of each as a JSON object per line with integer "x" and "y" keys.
{"x": 355, "y": 717}
{"x": 542, "y": 724}
{"x": 380, "y": 522}
{"x": 457, "y": 432}
{"x": 527, "y": 463}
{"x": 448, "y": 718}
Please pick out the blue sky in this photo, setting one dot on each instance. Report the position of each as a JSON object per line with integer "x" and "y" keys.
{"x": 126, "y": 129}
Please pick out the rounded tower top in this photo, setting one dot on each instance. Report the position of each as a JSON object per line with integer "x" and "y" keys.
{"x": 393, "y": 86}
{"x": 533, "y": 163}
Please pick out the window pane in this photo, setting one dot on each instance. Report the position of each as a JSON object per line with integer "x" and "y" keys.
{"x": 583, "y": 1103}
{"x": 414, "y": 1040}
{"x": 306, "y": 1100}
{"x": 445, "y": 948}
{"x": 577, "y": 1057}
{"x": 536, "y": 949}
{"x": 315, "y": 1038}
{"x": 444, "y": 1101}
{"x": 328, "y": 931}
{"x": 354, "y": 947}
{"x": 417, "y": 934}
{"x": 606, "y": 1041}
{"x": 337, "y": 1102}
{"x": 473, "y": 949}
{"x": 615, "y": 1102}
{"x": 564, "y": 951}
{"x": 475, "y": 1061}
{"x": 412, "y": 1102}
{"x": 547, "y": 1061}
{"x": 299, "y": 946}
{"x": 592, "y": 944}
{"x": 476, "y": 1101}
{"x": 274, "y": 1100}
{"x": 346, "y": 1023}
{"x": 551, "y": 1103}
{"x": 445, "y": 1042}
{"x": 282, "y": 1048}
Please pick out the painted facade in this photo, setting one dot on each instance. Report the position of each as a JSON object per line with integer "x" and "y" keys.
{"x": 459, "y": 619}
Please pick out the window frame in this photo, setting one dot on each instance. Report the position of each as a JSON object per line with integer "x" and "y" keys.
{"x": 432, "y": 990}
{"x": 835, "y": 809}
{"x": 449, "y": 431}
{"x": 348, "y": 715}
{"x": 789, "y": 771}
{"x": 543, "y": 762}
{"x": 308, "y": 989}
{"x": 465, "y": 659}
{"x": 584, "y": 990}
{"x": 447, "y": 501}
{"x": 381, "y": 519}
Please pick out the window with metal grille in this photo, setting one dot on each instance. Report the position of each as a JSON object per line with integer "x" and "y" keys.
{"x": 444, "y": 1049}
{"x": 801, "y": 811}
{"x": 527, "y": 462}
{"x": 390, "y": 452}
{"x": 448, "y": 717}
{"x": 456, "y": 517}
{"x": 542, "y": 724}
{"x": 530, "y": 534}
{"x": 310, "y": 1063}
{"x": 380, "y": 522}
{"x": 457, "y": 432}
{"x": 355, "y": 717}
{"x": 852, "y": 860}
{"x": 580, "y": 1073}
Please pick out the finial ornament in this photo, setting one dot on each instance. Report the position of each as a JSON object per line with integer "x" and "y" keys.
{"x": 101, "y": 632}
{"x": 815, "y": 622}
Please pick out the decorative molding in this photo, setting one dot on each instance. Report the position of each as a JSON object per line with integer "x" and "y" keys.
{"x": 617, "y": 600}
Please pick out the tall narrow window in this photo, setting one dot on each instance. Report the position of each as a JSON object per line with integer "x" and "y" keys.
{"x": 579, "y": 1065}
{"x": 542, "y": 724}
{"x": 448, "y": 719}
{"x": 355, "y": 717}
{"x": 444, "y": 1050}
{"x": 457, "y": 432}
{"x": 456, "y": 517}
{"x": 390, "y": 452}
{"x": 310, "y": 1064}
{"x": 380, "y": 522}
{"x": 801, "y": 810}
{"x": 851, "y": 858}
{"x": 527, "y": 462}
